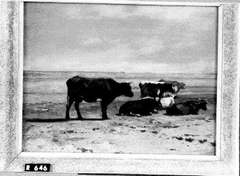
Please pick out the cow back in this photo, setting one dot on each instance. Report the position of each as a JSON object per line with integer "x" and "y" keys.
{"x": 91, "y": 89}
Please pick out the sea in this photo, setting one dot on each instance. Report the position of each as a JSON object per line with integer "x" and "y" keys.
{"x": 50, "y": 86}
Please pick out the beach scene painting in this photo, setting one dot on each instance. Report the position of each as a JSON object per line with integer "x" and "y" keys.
{"x": 119, "y": 79}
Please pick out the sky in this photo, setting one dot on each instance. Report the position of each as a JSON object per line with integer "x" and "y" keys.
{"x": 120, "y": 38}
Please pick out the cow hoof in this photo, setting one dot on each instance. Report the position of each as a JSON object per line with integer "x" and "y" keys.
{"x": 105, "y": 118}
{"x": 67, "y": 118}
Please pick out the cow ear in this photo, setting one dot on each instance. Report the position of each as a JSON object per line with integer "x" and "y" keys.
{"x": 201, "y": 100}
{"x": 175, "y": 83}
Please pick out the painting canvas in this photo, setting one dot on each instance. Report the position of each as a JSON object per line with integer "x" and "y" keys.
{"x": 167, "y": 54}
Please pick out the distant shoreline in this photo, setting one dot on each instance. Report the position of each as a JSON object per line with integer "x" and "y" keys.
{"x": 108, "y": 72}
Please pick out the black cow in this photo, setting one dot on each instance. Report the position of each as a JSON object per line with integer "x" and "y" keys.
{"x": 150, "y": 89}
{"x": 92, "y": 89}
{"x": 186, "y": 108}
{"x": 155, "y": 90}
{"x": 145, "y": 106}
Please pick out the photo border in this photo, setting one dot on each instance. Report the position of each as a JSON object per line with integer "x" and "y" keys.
{"x": 225, "y": 162}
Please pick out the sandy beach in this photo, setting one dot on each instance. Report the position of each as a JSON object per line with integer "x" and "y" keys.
{"x": 46, "y": 130}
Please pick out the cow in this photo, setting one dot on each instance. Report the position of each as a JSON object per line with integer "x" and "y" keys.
{"x": 177, "y": 86}
{"x": 187, "y": 107}
{"x": 142, "y": 107}
{"x": 167, "y": 100}
{"x": 92, "y": 89}
{"x": 156, "y": 89}
{"x": 149, "y": 89}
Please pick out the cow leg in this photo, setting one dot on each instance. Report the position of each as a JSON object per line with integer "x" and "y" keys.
{"x": 104, "y": 109}
{"x": 68, "y": 106}
{"x": 77, "y": 102}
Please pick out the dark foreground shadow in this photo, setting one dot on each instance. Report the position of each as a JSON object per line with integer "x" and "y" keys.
{"x": 61, "y": 120}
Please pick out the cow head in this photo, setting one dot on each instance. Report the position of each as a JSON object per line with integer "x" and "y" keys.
{"x": 176, "y": 86}
{"x": 181, "y": 86}
{"x": 202, "y": 104}
{"x": 126, "y": 89}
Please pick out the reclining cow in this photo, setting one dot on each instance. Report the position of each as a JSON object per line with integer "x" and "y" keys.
{"x": 92, "y": 89}
{"x": 142, "y": 107}
{"x": 167, "y": 100}
{"x": 186, "y": 108}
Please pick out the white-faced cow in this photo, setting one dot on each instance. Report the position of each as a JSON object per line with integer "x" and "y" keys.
{"x": 156, "y": 89}
{"x": 177, "y": 86}
{"x": 141, "y": 107}
{"x": 167, "y": 100}
{"x": 186, "y": 108}
{"x": 92, "y": 89}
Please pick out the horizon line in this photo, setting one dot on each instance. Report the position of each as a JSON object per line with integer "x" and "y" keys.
{"x": 119, "y": 72}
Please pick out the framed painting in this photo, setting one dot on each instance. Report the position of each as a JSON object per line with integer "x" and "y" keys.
{"x": 120, "y": 87}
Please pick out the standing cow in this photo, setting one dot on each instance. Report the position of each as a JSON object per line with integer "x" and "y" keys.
{"x": 176, "y": 86}
{"x": 92, "y": 89}
{"x": 150, "y": 89}
{"x": 157, "y": 89}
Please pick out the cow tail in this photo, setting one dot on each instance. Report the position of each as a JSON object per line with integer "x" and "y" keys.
{"x": 68, "y": 83}
{"x": 140, "y": 86}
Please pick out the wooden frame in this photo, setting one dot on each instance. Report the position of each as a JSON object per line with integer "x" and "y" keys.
{"x": 225, "y": 162}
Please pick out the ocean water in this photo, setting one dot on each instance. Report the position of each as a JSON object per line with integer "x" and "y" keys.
{"x": 50, "y": 86}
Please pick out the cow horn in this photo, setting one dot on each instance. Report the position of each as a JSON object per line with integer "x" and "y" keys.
{"x": 200, "y": 99}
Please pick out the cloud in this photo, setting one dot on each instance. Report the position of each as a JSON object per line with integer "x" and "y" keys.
{"x": 103, "y": 60}
{"x": 175, "y": 13}
{"x": 79, "y": 11}
{"x": 126, "y": 38}
{"x": 92, "y": 41}
{"x": 149, "y": 46}
{"x": 112, "y": 11}
{"x": 117, "y": 59}
{"x": 96, "y": 11}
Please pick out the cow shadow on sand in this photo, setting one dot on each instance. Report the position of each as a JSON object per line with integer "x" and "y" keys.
{"x": 62, "y": 120}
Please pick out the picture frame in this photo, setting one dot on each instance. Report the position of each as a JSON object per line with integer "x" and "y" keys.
{"x": 225, "y": 162}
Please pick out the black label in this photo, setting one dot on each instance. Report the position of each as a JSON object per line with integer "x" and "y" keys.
{"x": 37, "y": 167}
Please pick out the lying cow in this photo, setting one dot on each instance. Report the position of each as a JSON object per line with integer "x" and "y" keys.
{"x": 141, "y": 107}
{"x": 92, "y": 89}
{"x": 167, "y": 100}
{"x": 177, "y": 86}
{"x": 186, "y": 108}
